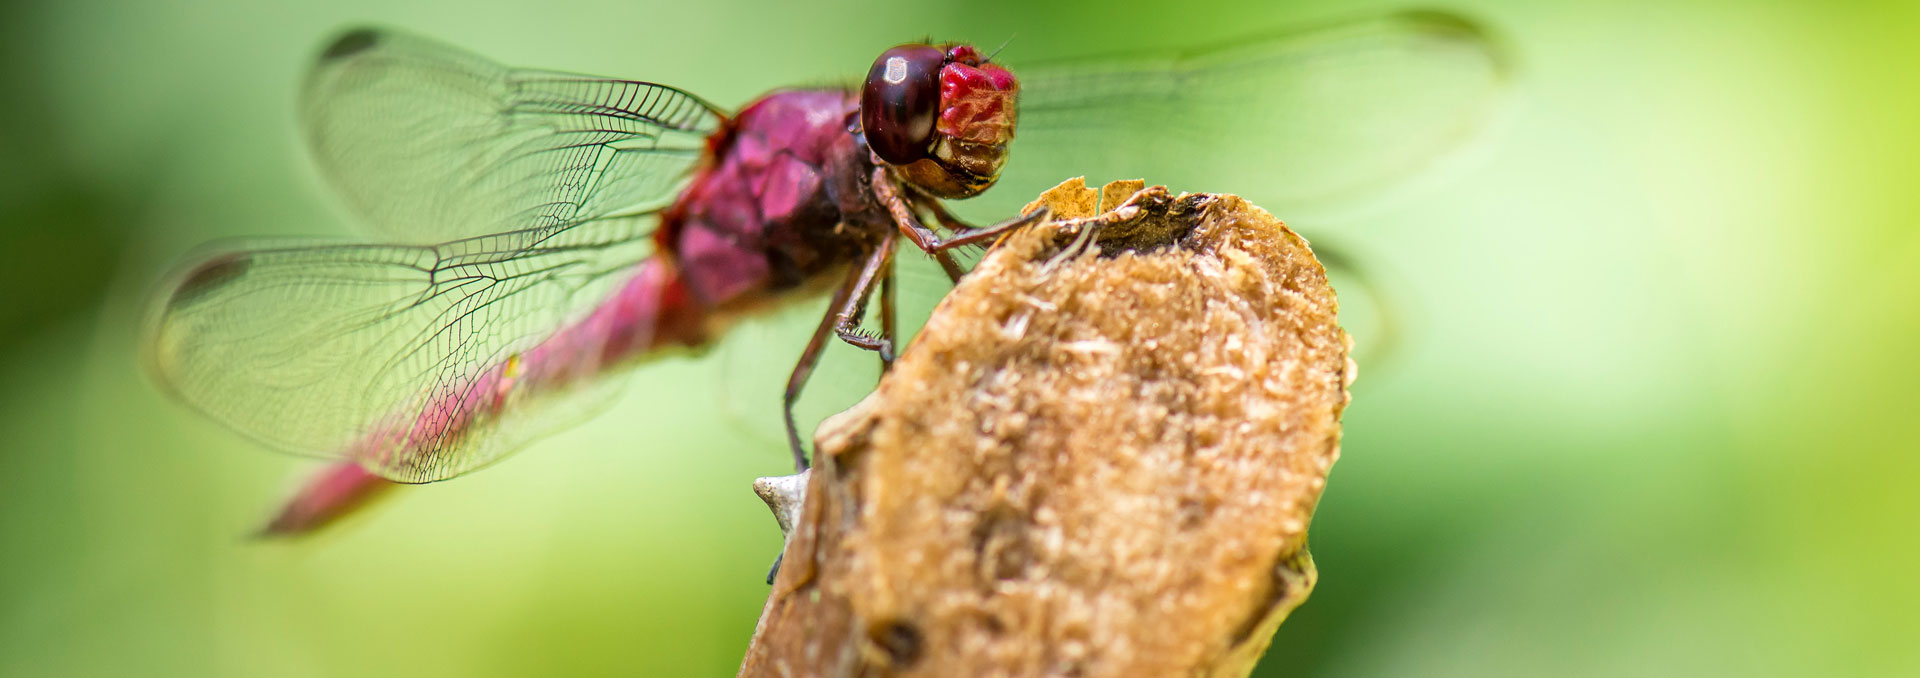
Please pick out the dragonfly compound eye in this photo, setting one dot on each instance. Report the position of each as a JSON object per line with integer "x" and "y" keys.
{"x": 901, "y": 101}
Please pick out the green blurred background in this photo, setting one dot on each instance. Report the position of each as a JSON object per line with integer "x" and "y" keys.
{"x": 1655, "y": 416}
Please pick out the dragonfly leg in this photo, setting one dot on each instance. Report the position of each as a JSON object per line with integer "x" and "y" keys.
{"x": 775, "y": 570}
{"x": 924, "y": 237}
{"x": 843, "y": 317}
{"x": 940, "y": 214}
{"x": 951, "y": 223}
{"x": 993, "y": 232}
{"x": 888, "y": 316}
{"x": 877, "y": 268}
{"x": 810, "y": 358}
{"x": 954, "y": 272}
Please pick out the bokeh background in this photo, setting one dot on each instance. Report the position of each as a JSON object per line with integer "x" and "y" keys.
{"x": 1655, "y": 414}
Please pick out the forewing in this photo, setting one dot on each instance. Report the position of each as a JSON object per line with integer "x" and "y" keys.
{"x": 1292, "y": 121}
{"x": 419, "y": 362}
{"x": 426, "y": 142}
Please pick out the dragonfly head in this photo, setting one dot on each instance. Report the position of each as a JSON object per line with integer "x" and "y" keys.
{"x": 941, "y": 115}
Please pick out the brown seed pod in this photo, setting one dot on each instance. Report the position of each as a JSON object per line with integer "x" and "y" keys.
{"x": 1099, "y": 458}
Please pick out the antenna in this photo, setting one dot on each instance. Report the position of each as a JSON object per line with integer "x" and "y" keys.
{"x": 996, "y": 50}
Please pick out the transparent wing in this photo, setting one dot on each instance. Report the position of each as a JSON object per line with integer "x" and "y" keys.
{"x": 1293, "y": 121}
{"x": 428, "y": 143}
{"x": 418, "y": 362}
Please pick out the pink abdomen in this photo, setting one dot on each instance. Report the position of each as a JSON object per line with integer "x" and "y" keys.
{"x": 652, "y": 311}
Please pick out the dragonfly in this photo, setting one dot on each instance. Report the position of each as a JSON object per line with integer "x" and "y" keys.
{"x": 538, "y": 233}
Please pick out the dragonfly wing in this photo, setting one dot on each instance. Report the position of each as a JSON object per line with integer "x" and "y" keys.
{"x": 418, "y": 362}
{"x": 427, "y": 142}
{"x": 1294, "y": 120}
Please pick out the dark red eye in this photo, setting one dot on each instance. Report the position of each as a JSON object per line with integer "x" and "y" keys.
{"x": 900, "y": 102}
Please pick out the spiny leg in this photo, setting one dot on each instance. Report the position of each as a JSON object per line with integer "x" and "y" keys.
{"x": 952, "y": 268}
{"x": 878, "y": 268}
{"x": 843, "y": 317}
{"x": 959, "y": 226}
{"x": 924, "y": 237}
{"x": 810, "y": 358}
{"x": 980, "y": 235}
{"x": 947, "y": 263}
{"x": 940, "y": 214}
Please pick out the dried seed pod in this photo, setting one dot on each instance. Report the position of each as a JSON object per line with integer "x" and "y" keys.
{"x": 1099, "y": 457}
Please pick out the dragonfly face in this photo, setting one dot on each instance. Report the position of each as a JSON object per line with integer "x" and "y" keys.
{"x": 942, "y": 115}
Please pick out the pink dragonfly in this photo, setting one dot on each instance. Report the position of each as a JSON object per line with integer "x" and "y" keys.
{"x": 549, "y": 229}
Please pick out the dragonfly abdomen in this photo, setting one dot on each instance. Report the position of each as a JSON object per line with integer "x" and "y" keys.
{"x": 652, "y": 312}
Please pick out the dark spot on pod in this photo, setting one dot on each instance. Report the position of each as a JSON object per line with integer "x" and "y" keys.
{"x": 350, "y": 43}
{"x": 1000, "y": 545}
{"x": 900, "y": 640}
{"x": 992, "y": 625}
{"x": 210, "y": 275}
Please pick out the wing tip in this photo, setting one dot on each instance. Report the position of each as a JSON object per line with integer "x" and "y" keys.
{"x": 164, "y": 346}
{"x": 1451, "y": 24}
{"x": 207, "y": 276}
{"x": 349, "y": 43}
